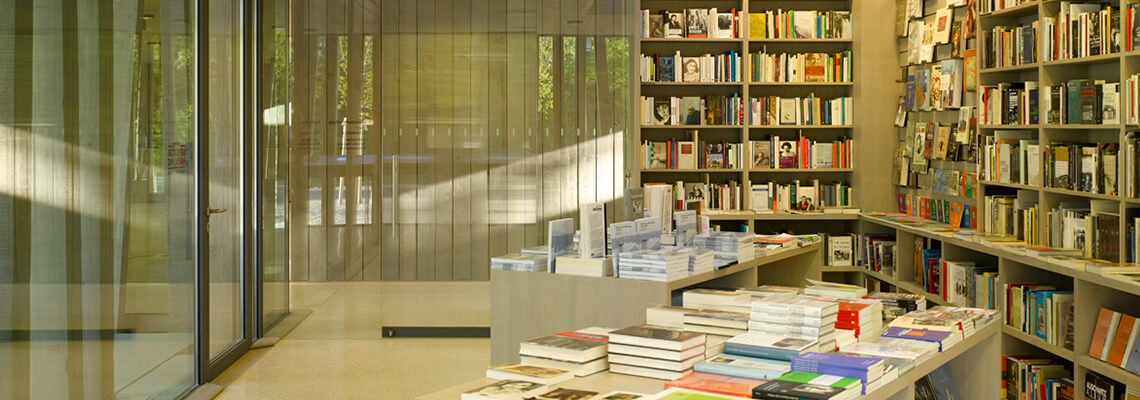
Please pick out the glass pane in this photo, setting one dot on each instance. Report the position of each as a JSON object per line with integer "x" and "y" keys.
{"x": 96, "y": 196}
{"x": 273, "y": 150}
{"x": 225, "y": 171}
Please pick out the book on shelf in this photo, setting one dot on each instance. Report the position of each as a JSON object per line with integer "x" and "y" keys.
{"x": 1084, "y": 167}
{"x": 508, "y": 389}
{"x": 944, "y": 339}
{"x": 865, "y": 369}
{"x": 939, "y": 384}
{"x": 1025, "y": 377}
{"x": 1008, "y": 46}
{"x": 898, "y": 304}
{"x": 714, "y": 383}
{"x": 1083, "y": 101}
{"x": 1080, "y": 30}
{"x": 1012, "y": 103}
{"x": 811, "y": 110}
{"x": 801, "y": 67}
{"x": 802, "y": 153}
{"x": 691, "y": 23}
{"x": 1115, "y": 340}
{"x": 668, "y": 68}
{"x": 1100, "y": 387}
{"x": 692, "y": 110}
{"x": 989, "y": 6}
{"x": 797, "y": 197}
{"x": 800, "y": 24}
{"x": 691, "y": 154}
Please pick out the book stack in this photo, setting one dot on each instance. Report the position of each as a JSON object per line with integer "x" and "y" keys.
{"x": 700, "y": 259}
{"x": 1010, "y": 45}
{"x": 724, "y": 67}
{"x": 1080, "y": 30}
{"x": 876, "y": 252}
{"x": 1026, "y": 377}
{"x": 1115, "y": 340}
{"x": 963, "y": 321}
{"x": 655, "y": 352}
{"x": 693, "y": 110}
{"x": 944, "y": 339}
{"x": 529, "y": 373}
{"x": 720, "y": 323}
{"x": 1085, "y": 167}
{"x": 743, "y": 367}
{"x": 719, "y": 384}
{"x": 1009, "y": 103}
{"x": 1082, "y": 101}
{"x": 900, "y": 354}
{"x": 575, "y": 264}
{"x": 833, "y": 289}
{"x": 692, "y": 154}
{"x": 795, "y": 316}
{"x": 727, "y": 247}
{"x": 804, "y": 385}
{"x": 1041, "y": 311}
{"x": 519, "y": 262}
{"x": 863, "y": 317}
{"x": 769, "y": 346}
{"x": 581, "y": 352}
{"x": 661, "y": 265}
{"x": 667, "y": 316}
{"x": 897, "y": 304}
{"x": 867, "y": 370}
{"x": 719, "y": 300}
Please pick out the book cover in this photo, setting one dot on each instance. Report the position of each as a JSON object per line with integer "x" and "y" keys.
{"x": 970, "y": 57}
{"x": 761, "y": 154}
{"x": 697, "y": 22}
{"x": 674, "y": 25}
{"x": 665, "y": 69}
{"x": 840, "y": 250}
{"x": 815, "y": 67}
{"x": 719, "y": 384}
{"x": 943, "y": 383}
{"x": 566, "y": 394}
{"x": 505, "y": 389}
{"x": 942, "y": 22}
{"x": 778, "y": 389}
{"x": 631, "y": 335}
{"x": 1120, "y": 341}
{"x": 1099, "y": 387}
{"x": 744, "y": 367}
{"x": 787, "y": 154}
{"x": 1101, "y": 333}
{"x": 777, "y": 347}
{"x": 656, "y": 26}
{"x": 691, "y": 110}
{"x": 839, "y": 382}
{"x": 662, "y": 111}
{"x": 923, "y": 335}
{"x": 837, "y": 361}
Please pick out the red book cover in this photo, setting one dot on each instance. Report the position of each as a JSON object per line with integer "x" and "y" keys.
{"x": 717, "y": 384}
{"x": 585, "y": 336}
{"x": 1103, "y": 321}
{"x": 1120, "y": 342}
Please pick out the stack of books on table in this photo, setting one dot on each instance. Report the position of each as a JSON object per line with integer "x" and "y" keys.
{"x": 944, "y": 339}
{"x": 660, "y": 265}
{"x": 796, "y": 316}
{"x": 900, "y": 355}
{"x": 575, "y": 264}
{"x": 519, "y": 262}
{"x": 719, "y": 300}
{"x": 719, "y": 384}
{"x": 864, "y": 317}
{"x": 700, "y": 259}
{"x": 804, "y": 385}
{"x": 667, "y": 316}
{"x": 771, "y": 290}
{"x": 655, "y": 352}
{"x": 868, "y": 370}
{"x": 719, "y": 325}
{"x": 897, "y": 304}
{"x": 962, "y": 320}
{"x": 728, "y": 247}
{"x": 581, "y": 352}
{"x": 757, "y": 356}
{"x": 529, "y": 373}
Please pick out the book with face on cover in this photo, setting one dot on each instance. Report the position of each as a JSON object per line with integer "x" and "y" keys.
{"x": 510, "y": 389}
{"x": 530, "y": 373}
{"x": 567, "y": 394}
{"x": 568, "y": 346}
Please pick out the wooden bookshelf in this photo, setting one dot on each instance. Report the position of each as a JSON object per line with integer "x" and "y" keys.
{"x": 869, "y": 106}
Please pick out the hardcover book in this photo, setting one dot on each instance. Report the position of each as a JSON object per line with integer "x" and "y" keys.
{"x": 777, "y": 347}
{"x": 656, "y": 337}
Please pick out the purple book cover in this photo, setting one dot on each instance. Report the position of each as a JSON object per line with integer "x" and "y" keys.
{"x": 918, "y": 334}
{"x": 826, "y": 370}
{"x": 1133, "y": 363}
{"x": 821, "y": 360}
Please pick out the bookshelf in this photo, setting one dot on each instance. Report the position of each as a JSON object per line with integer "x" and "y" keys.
{"x": 867, "y": 36}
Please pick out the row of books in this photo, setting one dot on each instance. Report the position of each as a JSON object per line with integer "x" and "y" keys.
{"x": 1009, "y": 103}
{"x": 673, "y": 154}
{"x": 956, "y": 214}
{"x": 1084, "y": 229}
{"x": 802, "y": 153}
{"x": 800, "y": 24}
{"x": 1130, "y": 182}
{"x": 692, "y": 110}
{"x": 1081, "y": 30}
{"x": 1007, "y": 216}
{"x": 877, "y": 252}
{"x": 724, "y": 67}
{"x": 1042, "y": 311}
{"x": 801, "y": 67}
{"x": 1131, "y": 21}
{"x": 1026, "y": 377}
{"x": 988, "y": 6}
{"x": 1116, "y": 340}
{"x": 1008, "y": 46}
{"x": 691, "y": 23}
{"x": 1085, "y": 167}
{"x": 1082, "y": 101}
{"x": 936, "y": 141}
{"x": 775, "y": 197}
{"x": 958, "y": 282}
{"x": 936, "y": 88}
{"x": 1130, "y": 99}
{"x": 775, "y": 110}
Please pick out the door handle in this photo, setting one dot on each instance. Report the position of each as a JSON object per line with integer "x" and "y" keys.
{"x": 213, "y": 211}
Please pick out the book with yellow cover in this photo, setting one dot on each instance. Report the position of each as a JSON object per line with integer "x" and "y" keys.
{"x": 758, "y": 25}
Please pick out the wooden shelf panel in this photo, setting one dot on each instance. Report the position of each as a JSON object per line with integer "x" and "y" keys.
{"x": 693, "y": 126}
{"x": 843, "y": 268}
{"x": 769, "y": 258}
{"x": 800, "y": 170}
{"x": 801, "y": 40}
{"x": 1083, "y": 127}
{"x": 651, "y": 84}
{"x": 928, "y": 366}
{"x": 1015, "y": 11}
{"x": 801, "y": 126}
{"x": 1011, "y": 68}
{"x": 1101, "y": 59}
{"x": 691, "y": 40}
{"x": 698, "y": 170}
{"x": 1077, "y": 193}
{"x": 1000, "y": 126}
{"x": 1041, "y": 344}
{"x": 806, "y": 217}
{"x": 1009, "y": 185}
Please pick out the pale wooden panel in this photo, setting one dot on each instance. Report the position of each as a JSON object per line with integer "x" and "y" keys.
{"x": 497, "y": 83}
{"x": 317, "y": 117}
{"x": 443, "y": 104}
{"x": 461, "y": 259}
{"x": 531, "y": 150}
{"x": 299, "y": 145}
{"x": 389, "y": 147}
{"x": 480, "y": 140}
{"x": 515, "y": 180}
{"x": 424, "y": 208}
{"x": 406, "y": 191}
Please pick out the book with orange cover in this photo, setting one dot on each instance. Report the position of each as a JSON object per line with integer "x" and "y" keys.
{"x": 1101, "y": 333}
{"x": 718, "y": 384}
{"x": 1120, "y": 342}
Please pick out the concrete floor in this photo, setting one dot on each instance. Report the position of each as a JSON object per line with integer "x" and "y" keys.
{"x": 339, "y": 353}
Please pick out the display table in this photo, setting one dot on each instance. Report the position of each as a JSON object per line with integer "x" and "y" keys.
{"x": 973, "y": 363}
{"x": 527, "y": 305}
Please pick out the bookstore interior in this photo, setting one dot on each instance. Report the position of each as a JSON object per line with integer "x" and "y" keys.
{"x": 654, "y": 199}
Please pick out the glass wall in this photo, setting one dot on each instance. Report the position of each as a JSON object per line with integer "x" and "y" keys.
{"x": 430, "y": 136}
{"x": 273, "y": 157}
{"x": 96, "y": 198}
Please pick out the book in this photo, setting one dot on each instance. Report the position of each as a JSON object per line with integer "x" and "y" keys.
{"x": 578, "y": 347}
{"x": 942, "y": 22}
{"x": 743, "y": 367}
{"x": 661, "y": 354}
{"x": 648, "y": 362}
{"x": 1124, "y": 338}
{"x": 779, "y": 389}
{"x": 675, "y": 25}
{"x": 848, "y": 385}
{"x": 592, "y": 237}
{"x": 1106, "y": 322}
{"x": 761, "y": 154}
{"x": 865, "y": 368}
{"x": 567, "y": 394}
{"x": 719, "y": 384}
{"x": 777, "y": 347}
{"x": 508, "y": 389}
{"x": 1099, "y": 387}
{"x": 621, "y": 396}
{"x": 530, "y": 373}
{"x": 658, "y": 338}
{"x": 840, "y": 250}
{"x": 943, "y": 383}
{"x": 647, "y": 372}
{"x": 687, "y": 394}
{"x": 697, "y": 23}
{"x": 945, "y": 339}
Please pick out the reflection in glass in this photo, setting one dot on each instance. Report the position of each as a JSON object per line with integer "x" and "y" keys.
{"x": 273, "y": 157}
{"x": 96, "y": 197}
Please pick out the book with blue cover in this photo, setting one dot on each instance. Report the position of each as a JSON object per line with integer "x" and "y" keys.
{"x": 942, "y": 381}
{"x": 776, "y": 347}
{"x": 559, "y": 240}
{"x": 744, "y": 367}
{"x": 924, "y": 335}
{"x": 867, "y": 369}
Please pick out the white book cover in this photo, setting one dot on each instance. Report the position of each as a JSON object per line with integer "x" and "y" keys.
{"x": 761, "y": 197}
{"x": 686, "y": 155}
{"x": 559, "y": 240}
{"x": 1110, "y": 112}
{"x": 942, "y": 22}
{"x": 841, "y": 252}
{"x": 649, "y": 233}
{"x": 686, "y": 227}
{"x": 592, "y": 241}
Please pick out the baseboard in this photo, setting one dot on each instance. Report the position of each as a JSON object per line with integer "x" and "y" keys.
{"x": 436, "y": 331}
